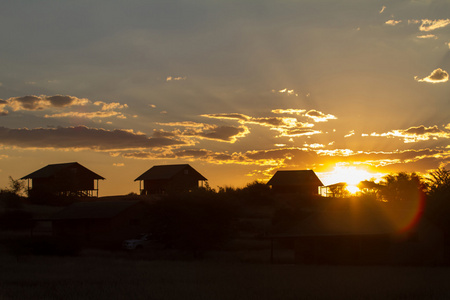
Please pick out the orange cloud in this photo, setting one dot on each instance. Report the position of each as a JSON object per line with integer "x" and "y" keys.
{"x": 414, "y": 134}
{"x": 430, "y": 25}
{"x": 318, "y": 116}
{"x": 437, "y": 76}
{"x": 393, "y": 22}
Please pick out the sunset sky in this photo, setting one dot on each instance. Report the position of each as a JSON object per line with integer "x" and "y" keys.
{"x": 237, "y": 89}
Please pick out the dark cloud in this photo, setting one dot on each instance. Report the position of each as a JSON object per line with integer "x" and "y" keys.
{"x": 419, "y": 130}
{"x": 33, "y": 102}
{"x": 206, "y": 131}
{"x": 224, "y": 133}
{"x": 159, "y": 133}
{"x": 27, "y": 102}
{"x": 61, "y": 101}
{"x": 438, "y": 75}
{"x": 81, "y": 137}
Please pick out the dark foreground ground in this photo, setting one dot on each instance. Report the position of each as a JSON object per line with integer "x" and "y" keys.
{"x": 96, "y": 276}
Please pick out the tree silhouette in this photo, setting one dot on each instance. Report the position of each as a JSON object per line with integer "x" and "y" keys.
{"x": 439, "y": 180}
{"x": 402, "y": 187}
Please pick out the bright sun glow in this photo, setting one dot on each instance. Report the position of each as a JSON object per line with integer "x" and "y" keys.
{"x": 350, "y": 175}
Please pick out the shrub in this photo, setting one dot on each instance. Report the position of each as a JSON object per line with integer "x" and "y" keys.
{"x": 16, "y": 220}
{"x": 193, "y": 222}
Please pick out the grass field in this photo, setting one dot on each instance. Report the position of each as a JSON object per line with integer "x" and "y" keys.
{"x": 111, "y": 277}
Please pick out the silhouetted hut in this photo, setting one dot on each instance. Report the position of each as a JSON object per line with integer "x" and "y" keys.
{"x": 66, "y": 179}
{"x": 295, "y": 181}
{"x": 169, "y": 178}
{"x": 101, "y": 220}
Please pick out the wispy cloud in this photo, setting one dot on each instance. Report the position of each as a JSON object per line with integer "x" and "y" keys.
{"x": 87, "y": 115}
{"x": 393, "y": 22}
{"x": 427, "y": 36}
{"x": 430, "y": 25}
{"x": 351, "y": 133}
{"x": 263, "y": 121}
{"x": 437, "y": 76}
{"x": 204, "y": 131}
{"x": 383, "y": 8}
{"x": 110, "y": 106}
{"x": 318, "y": 116}
{"x": 289, "y": 92}
{"x": 290, "y": 111}
{"x": 175, "y": 78}
{"x": 415, "y": 134}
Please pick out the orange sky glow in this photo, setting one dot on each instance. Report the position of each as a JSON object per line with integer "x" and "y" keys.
{"x": 351, "y": 90}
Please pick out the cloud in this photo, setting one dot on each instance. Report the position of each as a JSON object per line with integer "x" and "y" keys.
{"x": 59, "y": 102}
{"x": 285, "y": 126}
{"x": 437, "y": 76}
{"x": 33, "y": 102}
{"x": 289, "y": 111}
{"x": 382, "y": 9}
{"x": 415, "y": 134}
{"x": 110, "y": 106}
{"x": 427, "y": 36}
{"x": 314, "y": 157}
{"x": 81, "y": 137}
{"x": 264, "y": 121}
{"x": 170, "y": 78}
{"x": 393, "y": 22}
{"x": 3, "y": 112}
{"x": 351, "y": 133}
{"x": 88, "y": 115}
{"x": 430, "y": 25}
{"x": 205, "y": 131}
{"x": 286, "y": 91}
{"x": 314, "y": 146}
{"x": 318, "y": 116}
{"x": 296, "y": 132}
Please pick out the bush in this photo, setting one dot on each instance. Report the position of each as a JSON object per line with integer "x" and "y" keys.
{"x": 48, "y": 246}
{"x": 16, "y": 220}
{"x": 192, "y": 222}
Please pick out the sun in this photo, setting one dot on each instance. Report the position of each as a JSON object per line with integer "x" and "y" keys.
{"x": 352, "y": 176}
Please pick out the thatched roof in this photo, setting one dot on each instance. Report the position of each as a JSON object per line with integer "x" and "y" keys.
{"x": 168, "y": 172}
{"x": 59, "y": 169}
{"x": 295, "y": 178}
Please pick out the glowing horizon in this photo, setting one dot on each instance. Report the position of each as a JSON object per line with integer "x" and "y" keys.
{"x": 226, "y": 87}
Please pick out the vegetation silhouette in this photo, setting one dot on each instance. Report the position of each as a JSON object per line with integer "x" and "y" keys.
{"x": 210, "y": 219}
